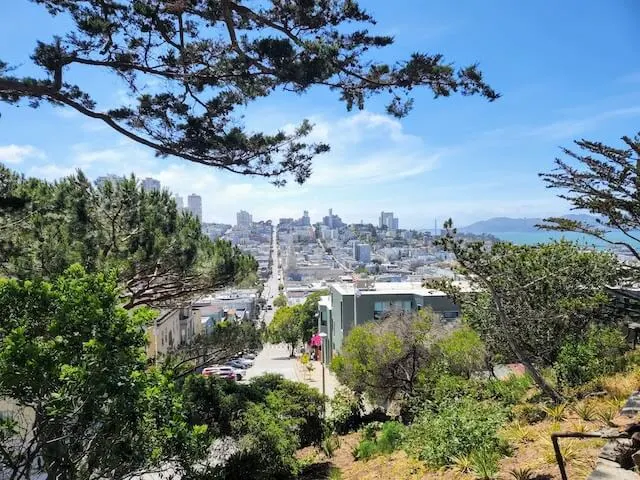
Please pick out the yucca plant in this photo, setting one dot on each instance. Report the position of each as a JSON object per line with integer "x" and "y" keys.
{"x": 522, "y": 474}
{"x": 585, "y": 411}
{"x": 330, "y": 445}
{"x": 462, "y": 464}
{"x": 485, "y": 464}
{"x": 518, "y": 433}
{"x": 556, "y": 413}
{"x": 568, "y": 451}
{"x": 607, "y": 414}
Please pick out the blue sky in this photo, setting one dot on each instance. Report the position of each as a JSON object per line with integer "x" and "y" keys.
{"x": 566, "y": 70}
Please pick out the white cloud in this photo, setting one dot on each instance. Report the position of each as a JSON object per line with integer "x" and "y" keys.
{"x": 572, "y": 128}
{"x": 14, "y": 154}
{"x": 369, "y": 148}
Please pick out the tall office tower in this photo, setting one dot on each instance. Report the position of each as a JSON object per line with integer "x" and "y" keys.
{"x": 194, "y": 205}
{"x": 151, "y": 184}
{"x": 179, "y": 203}
{"x": 244, "y": 219}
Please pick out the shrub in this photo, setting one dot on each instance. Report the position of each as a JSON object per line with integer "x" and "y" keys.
{"x": 346, "y": 409}
{"x": 600, "y": 352}
{"x": 458, "y": 428}
{"x": 365, "y": 450}
{"x": 370, "y": 431}
{"x": 390, "y": 437}
{"x": 510, "y": 390}
{"x": 330, "y": 445}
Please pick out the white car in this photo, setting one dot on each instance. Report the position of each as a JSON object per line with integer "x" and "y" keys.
{"x": 224, "y": 371}
{"x": 245, "y": 361}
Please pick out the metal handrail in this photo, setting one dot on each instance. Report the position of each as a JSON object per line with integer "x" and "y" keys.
{"x": 558, "y": 453}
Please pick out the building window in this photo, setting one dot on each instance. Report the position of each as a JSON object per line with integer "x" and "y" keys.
{"x": 450, "y": 315}
{"x": 378, "y": 310}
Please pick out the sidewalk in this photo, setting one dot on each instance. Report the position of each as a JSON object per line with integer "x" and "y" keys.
{"x": 314, "y": 378}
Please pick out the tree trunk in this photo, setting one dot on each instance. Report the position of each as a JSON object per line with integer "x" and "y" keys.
{"x": 537, "y": 377}
{"x": 55, "y": 456}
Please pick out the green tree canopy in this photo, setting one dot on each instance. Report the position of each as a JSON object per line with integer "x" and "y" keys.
{"x": 160, "y": 255}
{"x": 308, "y": 314}
{"x": 208, "y": 60}
{"x": 73, "y": 362}
{"x": 285, "y": 327}
{"x": 463, "y": 352}
{"x": 280, "y": 301}
{"x": 530, "y": 299}
{"x": 604, "y": 181}
{"x": 384, "y": 360}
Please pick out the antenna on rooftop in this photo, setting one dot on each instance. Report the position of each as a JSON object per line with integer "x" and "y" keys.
{"x": 435, "y": 227}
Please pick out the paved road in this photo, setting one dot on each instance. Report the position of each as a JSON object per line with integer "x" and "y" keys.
{"x": 274, "y": 359}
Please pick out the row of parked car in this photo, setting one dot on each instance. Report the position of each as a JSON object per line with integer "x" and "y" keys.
{"x": 234, "y": 370}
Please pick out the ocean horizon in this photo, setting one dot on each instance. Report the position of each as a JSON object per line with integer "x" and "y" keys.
{"x": 532, "y": 238}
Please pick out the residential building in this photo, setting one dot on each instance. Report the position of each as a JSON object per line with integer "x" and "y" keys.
{"x": 110, "y": 177}
{"x": 244, "y": 219}
{"x": 179, "y": 203}
{"x": 194, "y": 205}
{"x": 151, "y": 184}
{"x": 373, "y": 302}
{"x": 172, "y": 328}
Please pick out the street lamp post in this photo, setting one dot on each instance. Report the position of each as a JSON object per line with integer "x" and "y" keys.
{"x": 323, "y": 335}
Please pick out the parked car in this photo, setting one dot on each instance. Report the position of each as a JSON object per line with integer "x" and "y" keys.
{"x": 250, "y": 356}
{"x": 246, "y": 361}
{"x": 225, "y": 372}
{"x": 236, "y": 364}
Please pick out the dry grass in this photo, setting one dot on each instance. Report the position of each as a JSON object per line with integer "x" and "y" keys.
{"x": 531, "y": 444}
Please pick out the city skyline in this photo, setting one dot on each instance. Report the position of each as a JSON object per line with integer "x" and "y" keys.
{"x": 457, "y": 157}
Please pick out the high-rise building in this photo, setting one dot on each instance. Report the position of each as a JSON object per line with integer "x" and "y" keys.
{"x": 387, "y": 220}
{"x": 244, "y": 219}
{"x": 332, "y": 221}
{"x": 194, "y": 205}
{"x": 306, "y": 221}
{"x": 109, "y": 177}
{"x": 362, "y": 252}
{"x": 179, "y": 203}
{"x": 151, "y": 184}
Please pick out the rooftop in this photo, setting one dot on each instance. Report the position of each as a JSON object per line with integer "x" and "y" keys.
{"x": 386, "y": 288}
{"x": 397, "y": 288}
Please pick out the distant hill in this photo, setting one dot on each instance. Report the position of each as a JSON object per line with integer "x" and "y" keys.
{"x": 517, "y": 225}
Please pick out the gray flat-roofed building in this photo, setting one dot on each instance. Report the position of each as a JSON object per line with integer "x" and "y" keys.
{"x": 374, "y": 302}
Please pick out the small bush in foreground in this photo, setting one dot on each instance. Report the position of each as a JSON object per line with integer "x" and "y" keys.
{"x": 390, "y": 437}
{"x": 600, "y": 352}
{"x": 484, "y": 464}
{"x": 365, "y": 450}
{"x": 346, "y": 411}
{"x": 458, "y": 428}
